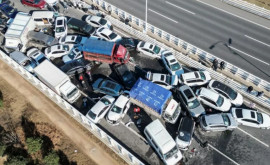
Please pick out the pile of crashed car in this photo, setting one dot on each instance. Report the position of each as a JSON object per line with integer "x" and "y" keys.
{"x": 212, "y": 104}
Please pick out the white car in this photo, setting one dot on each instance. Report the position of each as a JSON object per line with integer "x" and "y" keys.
{"x": 72, "y": 39}
{"x": 97, "y": 21}
{"x": 100, "y": 109}
{"x": 163, "y": 80}
{"x": 235, "y": 97}
{"x": 57, "y": 51}
{"x": 171, "y": 63}
{"x": 251, "y": 117}
{"x": 107, "y": 34}
{"x": 74, "y": 54}
{"x": 118, "y": 110}
{"x": 60, "y": 29}
{"x": 213, "y": 99}
{"x": 36, "y": 55}
{"x": 196, "y": 78}
{"x": 149, "y": 49}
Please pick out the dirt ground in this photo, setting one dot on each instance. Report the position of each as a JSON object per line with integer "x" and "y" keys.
{"x": 23, "y": 102}
{"x": 262, "y": 3}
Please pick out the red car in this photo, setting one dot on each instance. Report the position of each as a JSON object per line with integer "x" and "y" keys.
{"x": 34, "y": 3}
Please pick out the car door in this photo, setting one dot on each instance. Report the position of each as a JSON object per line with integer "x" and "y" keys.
{"x": 250, "y": 123}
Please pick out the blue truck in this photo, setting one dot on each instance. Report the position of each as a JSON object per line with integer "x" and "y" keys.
{"x": 155, "y": 99}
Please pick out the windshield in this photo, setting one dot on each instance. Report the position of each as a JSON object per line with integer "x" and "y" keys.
{"x": 168, "y": 79}
{"x": 171, "y": 153}
{"x": 175, "y": 66}
{"x": 60, "y": 29}
{"x": 72, "y": 93}
{"x": 36, "y": 1}
{"x": 156, "y": 49}
{"x": 127, "y": 76}
{"x": 259, "y": 118}
{"x": 185, "y": 136}
{"x": 193, "y": 104}
{"x": 92, "y": 115}
{"x": 116, "y": 109}
{"x": 105, "y": 101}
{"x": 202, "y": 75}
{"x": 232, "y": 94}
{"x": 41, "y": 60}
{"x": 220, "y": 101}
{"x": 66, "y": 47}
{"x": 226, "y": 120}
{"x": 112, "y": 36}
{"x": 78, "y": 39}
{"x": 102, "y": 21}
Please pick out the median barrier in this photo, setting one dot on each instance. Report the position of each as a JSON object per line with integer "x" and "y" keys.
{"x": 236, "y": 77}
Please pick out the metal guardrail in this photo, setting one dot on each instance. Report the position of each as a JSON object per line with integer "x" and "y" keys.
{"x": 252, "y": 8}
{"x": 73, "y": 112}
{"x": 160, "y": 34}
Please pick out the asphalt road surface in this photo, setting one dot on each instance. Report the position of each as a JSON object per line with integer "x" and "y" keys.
{"x": 209, "y": 24}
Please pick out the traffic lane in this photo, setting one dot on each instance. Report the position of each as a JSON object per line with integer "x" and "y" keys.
{"x": 214, "y": 25}
{"x": 203, "y": 40}
{"x": 237, "y": 146}
{"x": 132, "y": 142}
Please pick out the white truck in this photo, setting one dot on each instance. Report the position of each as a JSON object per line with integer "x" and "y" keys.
{"x": 57, "y": 80}
{"x": 16, "y": 35}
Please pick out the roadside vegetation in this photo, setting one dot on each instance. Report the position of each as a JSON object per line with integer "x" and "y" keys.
{"x": 27, "y": 138}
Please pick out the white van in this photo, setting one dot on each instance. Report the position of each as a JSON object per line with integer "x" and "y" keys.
{"x": 162, "y": 142}
{"x": 43, "y": 18}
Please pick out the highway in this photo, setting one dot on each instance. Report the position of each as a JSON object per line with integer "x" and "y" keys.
{"x": 209, "y": 25}
{"x": 245, "y": 145}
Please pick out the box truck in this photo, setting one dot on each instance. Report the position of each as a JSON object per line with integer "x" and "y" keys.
{"x": 57, "y": 80}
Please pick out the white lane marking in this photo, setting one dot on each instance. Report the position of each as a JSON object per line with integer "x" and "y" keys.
{"x": 248, "y": 102}
{"x": 179, "y": 7}
{"x": 163, "y": 16}
{"x": 234, "y": 15}
{"x": 253, "y": 137}
{"x": 222, "y": 154}
{"x": 257, "y": 40}
{"x": 248, "y": 55}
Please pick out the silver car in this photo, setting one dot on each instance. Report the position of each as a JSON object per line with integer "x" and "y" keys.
{"x": 23, "y": 60}
{"x": 190, "y": 101}
{"x": 218, "y": 122}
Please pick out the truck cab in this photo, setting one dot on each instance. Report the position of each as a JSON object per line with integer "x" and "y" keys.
{"x": 121, "y": 55}
{"x": 69, "y": 92}
{"x": 171, "y": 111}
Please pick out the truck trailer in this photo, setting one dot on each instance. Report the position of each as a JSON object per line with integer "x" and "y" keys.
{"x": 155, "y": 99}
{"x": 57, "y": 80}
{"x": 16, "y": 35}
{"x": 104, "y": 51}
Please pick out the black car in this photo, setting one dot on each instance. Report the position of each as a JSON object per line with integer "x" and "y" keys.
{"x": 41, "y": 38}
{"x": 80, "y": 26}
{"x": 76, "y": 67}
{"x": 129, "y": 43}
{"x": 185, "y": 132}
{"x": 126, "y": 76}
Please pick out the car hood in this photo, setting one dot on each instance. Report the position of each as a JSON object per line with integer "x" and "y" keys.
{"x": 238, "y": 101}
{"x": 226, "y": 105}
{"x": 113, "y": 116}
{"x": 196, "y": 112}
{"x": 266, "y": 120}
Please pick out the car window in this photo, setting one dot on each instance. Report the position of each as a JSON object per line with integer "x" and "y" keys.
{"x": 102, "y": 111}
{"x": 250, "y": 121}
{"x": 94, "y": 22}
{"x": 105, "y": 36}
{"x": 208, "y": 100}
{"x": 191, "y": 81}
